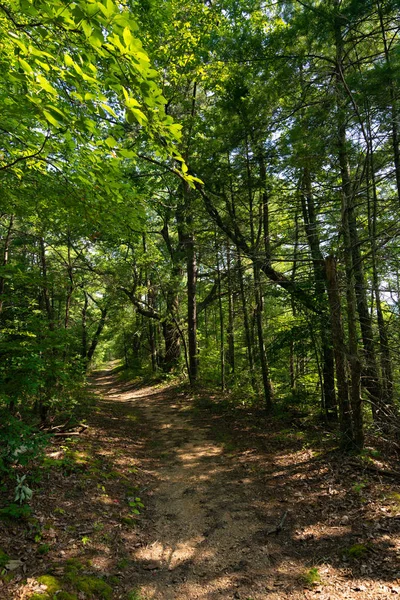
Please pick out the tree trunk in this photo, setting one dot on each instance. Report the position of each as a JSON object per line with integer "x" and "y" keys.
{"x": 267, "y": 385}
{"x": 311, "y": 229}
{"x": 6, "y": 253}
{"x": 191, "y": 268}
{"x": 84, "y": 326}
{"x": 45, "y": 288}
{"x": 96, "y": 337}
{"x": 230, "y": 334}
{"x": 246, "y": 323}
{"x": 339, "y": 349}
{"x": 391, "y": 86}
{"x": 221, "y": 327}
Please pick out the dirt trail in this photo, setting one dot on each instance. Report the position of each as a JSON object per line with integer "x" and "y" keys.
{"x": 214, "y": 484}
{"x": 207, "y": 533}
{"x": 211, "y": 505}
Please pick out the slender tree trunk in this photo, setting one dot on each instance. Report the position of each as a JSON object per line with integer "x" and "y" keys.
{"x": 45, "y": 288}
{"x": 246, "y": 323}
{"x": 221, "y": 326}
{"x": 393, "y": 101}
{"x": 70, "y": 288}
{"x": 386, "y": 363}
{"x": 84, "y": 326}
{"x": 311, "y": 229}
{"x": 97, "y": 334}
{"x": 267, "y": 385}
{"x": 150, "y": 302}
{"x": 6, "y": 254}
{"x": 349, "y": 232}
{"x": 356, "y": 293}
{"x": 346, "y": 432}
{"x": 231, "y": 320}
{"x": 191, "y": 267}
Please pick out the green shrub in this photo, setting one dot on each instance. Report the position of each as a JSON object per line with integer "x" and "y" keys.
{"x": 15, "y": 511}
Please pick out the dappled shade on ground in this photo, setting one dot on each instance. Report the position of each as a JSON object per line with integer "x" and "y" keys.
{"x": 213, "y": 485}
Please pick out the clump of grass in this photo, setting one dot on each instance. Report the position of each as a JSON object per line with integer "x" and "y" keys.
{"x": 52, "y": 584}
{"x": 356, "y": 551}
{"x": 129, "y": 521}
{"x": 311, "y": 577}
{"x": 93, "y": 587}
{"x": 135, "y": 594}
{"x": 4, "y": 558}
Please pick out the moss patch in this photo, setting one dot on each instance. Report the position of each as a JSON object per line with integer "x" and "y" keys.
{"x": 128, "y": 521}
{"x": 4, "y": 558}
{"x": 73, "y": 565}
{"x": 52, "y": 583}
{"x": 312, "y": 577}
{"x": 93, "y": 587}
{"x": 357, "y": 551}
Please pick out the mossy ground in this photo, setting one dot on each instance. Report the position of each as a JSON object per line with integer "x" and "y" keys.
{"x": 72, "y": 583}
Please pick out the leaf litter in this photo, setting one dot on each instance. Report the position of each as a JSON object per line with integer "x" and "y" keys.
{"x": 162, "y": 498}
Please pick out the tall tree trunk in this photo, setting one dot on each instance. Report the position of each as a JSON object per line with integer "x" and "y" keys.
{"x": 45, "y": 287}
{"x": 230, "y": 334}
{"x": 84, "y": 348}
{"x": 350, "y": 241}
{"x": 246, "y": 323}
{"x": 221, "y": 325}
{"x": 386, "y": 363}
{"x": 97, "y": 334}
{"x": 6, "y": 253}
{"x": 339, "y": 349}
{"x": 311, "y": 229}
{"x": 191, "y": 268}
{"x": 150, "y": 302}
{"x": 70, "y": 288}
{"x": 267, "y": 385}
{"x": 391, "y": 86}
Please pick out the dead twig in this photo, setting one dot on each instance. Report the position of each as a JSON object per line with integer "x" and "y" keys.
{"x": 280, "y": 525}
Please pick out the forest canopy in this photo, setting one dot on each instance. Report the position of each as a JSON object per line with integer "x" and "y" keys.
{"x": 206, "y": 190}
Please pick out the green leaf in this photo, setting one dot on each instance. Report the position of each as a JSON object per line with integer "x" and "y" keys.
{"x": 46, "y": 85}
{"x": 111, "y": 142}
{"x": 26, "y": 66}
{"x": 49, "y": 117}
{"x": 127, "y": 35}
{"x": 127, "y": 153}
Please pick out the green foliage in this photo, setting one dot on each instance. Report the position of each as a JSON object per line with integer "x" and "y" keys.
{"x": 93, "y": 587}
{"x": 135, "y": 594}
{"x": 62, "y": 595}
{"x": 358, "y": 488}
{"x": 357, "y": 551}
{"x": 15, "y": 512}
{"x": 4, "y": 558}
{"x": 52, "y": 584}
{"x": 73, "y": 566}
{"x": 136, "y": 505}
{"x": 312, "y": 577}
{"x": 71, "y": 462}
{"x": 44, "y": 549}
{"x": 128, "y": 521}
{"x": 22, "y": 491}
{"x": 20, "y": 443}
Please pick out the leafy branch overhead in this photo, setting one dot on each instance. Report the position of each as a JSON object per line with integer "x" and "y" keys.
{"x": 76, "y": 79}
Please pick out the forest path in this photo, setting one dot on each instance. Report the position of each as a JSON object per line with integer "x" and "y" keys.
{"x": 215, "y": 487}
{"x": 206, "y": 526}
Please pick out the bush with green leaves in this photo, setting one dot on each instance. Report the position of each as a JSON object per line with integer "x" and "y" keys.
{"x": 20, "y": 443}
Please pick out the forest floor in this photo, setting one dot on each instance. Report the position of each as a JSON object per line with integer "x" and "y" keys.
{"x": 234, "y": 507}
